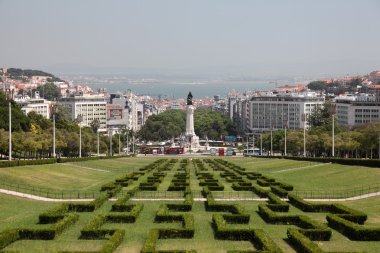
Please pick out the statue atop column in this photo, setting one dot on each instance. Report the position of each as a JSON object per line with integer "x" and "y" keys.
{"x": 190, "y": 99}
{"x": 191, "y": 139}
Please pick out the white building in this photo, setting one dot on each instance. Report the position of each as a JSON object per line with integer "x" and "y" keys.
{"x": 353, "y": 110}
{"x": 132, "y": 111}
{"x": 88, "y": 107}
{"x": 39, "y": 105}
{"x": 276, "y": 111}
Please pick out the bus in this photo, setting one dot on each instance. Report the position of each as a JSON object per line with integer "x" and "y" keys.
{"x": 252, "y": 152}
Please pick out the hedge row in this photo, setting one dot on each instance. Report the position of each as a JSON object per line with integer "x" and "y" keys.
{"x": 343, "y": 211}
{"x": 313, "y": 229}
{"x": 276, "y": 204}
{"x": 238, "y": 212}
{"x": 92, "y": 231}
{"x": 256, "y": 236}
{"x": 129, "y": 216}
{"x": 261, "y": 192}
{"x": 345, "y": 161}
{"x": 90, "y": 206}
{"x": 53, "y": 215}
{"x": 50, "y": 232}
{"x": 7, "y": 237}
{"x": 301, "y": 242}
{"x": 15, "y": 163}
{"x": 187, "y": 231}
{"x": 352, "y": 230}
{"x": 279, "y": 191}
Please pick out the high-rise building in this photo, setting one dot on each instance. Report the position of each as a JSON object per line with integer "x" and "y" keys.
{"x": 354, "y": 110}
{"x": 86, "y": 108}
{"x": 276, "y": 111}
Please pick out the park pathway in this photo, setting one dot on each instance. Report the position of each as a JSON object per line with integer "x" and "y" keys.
{"x": 35, "y": 197}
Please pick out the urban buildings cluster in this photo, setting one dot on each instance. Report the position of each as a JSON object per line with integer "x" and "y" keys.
{"x": 254, "y": 111}
{"x": 290, "y": 106}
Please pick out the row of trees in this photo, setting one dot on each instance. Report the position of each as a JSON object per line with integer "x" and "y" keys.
{"x": 32, "y": 135}
{"x": 172, "y": 123}
{"x": 359, "y": 142}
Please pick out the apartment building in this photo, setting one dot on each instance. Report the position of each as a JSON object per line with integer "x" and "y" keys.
{"x": 354, "y": 110}
{"x": 275, "y": 111}
{"x": 87, "y": 108}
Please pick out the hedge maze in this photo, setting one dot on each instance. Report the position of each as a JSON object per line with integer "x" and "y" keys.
{"x": 111, "y": 219}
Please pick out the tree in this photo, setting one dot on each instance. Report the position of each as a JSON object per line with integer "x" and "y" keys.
{"x": 19, "y": 120}
{"x": 172, "y": 123}
{"x": 317, "y": 85}
{"x": 321, "y": 116}
{"x": 49, "y": 91}
{"x": 95, "y": 124}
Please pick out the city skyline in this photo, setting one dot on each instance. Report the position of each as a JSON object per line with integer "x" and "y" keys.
{"x": 248, "y": 38}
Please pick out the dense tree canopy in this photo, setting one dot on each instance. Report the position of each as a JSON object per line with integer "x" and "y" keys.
{"x": 172, "y": 123}
{"x": 19, "y": 120}
{"x": 49, "y": 91}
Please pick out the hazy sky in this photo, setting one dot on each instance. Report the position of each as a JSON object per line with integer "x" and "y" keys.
{"x": 236, "y": 36}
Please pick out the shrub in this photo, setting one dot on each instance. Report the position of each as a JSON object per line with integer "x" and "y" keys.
{"x": 352, "y": 230}
{"x": 7, "y": 237}
{"x": 113, "y": 242}
{"x": 279, "y": 191}
{"x": 53, "y": 215}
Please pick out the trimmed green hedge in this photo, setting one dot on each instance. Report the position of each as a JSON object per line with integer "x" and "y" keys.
{"x": 343, "y": 211}
{"x": 7, "y": 237}
{"x": 276, "y": 204}
{"x": 53, "y": 215}
{"x": 14, "y": 163}
{"x": 352, "y": 230}
{"x": 313, "y": 229}
{"x": 256, "y": 236}
{"x": 88, "y": 207}
{"x": 126, "y": 217}
{"x": 48, "y": 233}
{"x": 279, "y": 191}
{"x": 344, "y": 161}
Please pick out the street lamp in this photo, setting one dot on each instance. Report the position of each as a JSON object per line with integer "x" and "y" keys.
{"x": 10, "y": 132}
{"x": 110, "y": 135}
{"x": 54, "y": 155}
{"x": 304, "y": 134}
{"x": 333, "y": 136}
{"x": 271, "y": 141}
{"x": 286, "y": 126}
{"x": 97, "y": 139}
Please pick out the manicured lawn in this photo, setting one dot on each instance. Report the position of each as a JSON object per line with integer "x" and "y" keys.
{"x": 304, "y": 175}
{"x": 85, "y": 176}
{"x": 20, "y": 212}
{"x": 17, "y": 212}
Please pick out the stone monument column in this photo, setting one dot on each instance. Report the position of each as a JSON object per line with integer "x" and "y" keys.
{"x": 191, "y": 139}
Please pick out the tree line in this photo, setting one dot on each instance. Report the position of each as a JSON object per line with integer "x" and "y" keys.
{"x": 32, "y": 135}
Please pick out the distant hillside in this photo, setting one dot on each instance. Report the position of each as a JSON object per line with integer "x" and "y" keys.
{"x": 21, "y": 74}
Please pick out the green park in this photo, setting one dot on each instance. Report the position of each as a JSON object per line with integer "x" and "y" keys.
{"x": 190, "y": 204}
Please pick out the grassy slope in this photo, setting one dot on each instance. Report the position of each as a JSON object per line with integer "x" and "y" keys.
{"x": 304, "y": 175}
{"x": 15, "y": 212}
{"x": 88, "y": 175}
{"x": 19, "y": 212}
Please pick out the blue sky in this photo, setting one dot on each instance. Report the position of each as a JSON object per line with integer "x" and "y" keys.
{"x": 236, "y": 37}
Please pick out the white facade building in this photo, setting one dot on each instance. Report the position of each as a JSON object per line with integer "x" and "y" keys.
{"x": 88, "y": 107}
{"x": 274, "y": 112}
{"x": 132, "y": 114}
{"x": 353, "y": 110}
{"x": 39, "y": 105}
